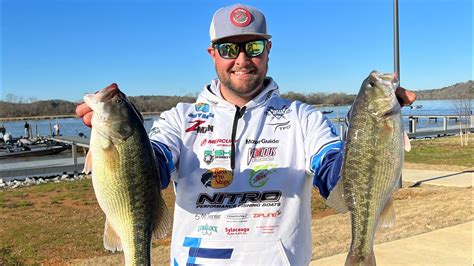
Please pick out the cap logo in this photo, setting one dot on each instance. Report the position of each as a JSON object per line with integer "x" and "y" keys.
{"x": 240, "y": 17}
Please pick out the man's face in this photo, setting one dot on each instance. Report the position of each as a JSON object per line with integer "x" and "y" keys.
{"x": 243, "y": 76}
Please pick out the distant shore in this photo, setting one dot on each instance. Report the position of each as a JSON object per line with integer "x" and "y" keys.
{"x": 41, "y": 117}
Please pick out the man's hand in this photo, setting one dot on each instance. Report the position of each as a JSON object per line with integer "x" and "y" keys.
{"x": 405, "y": 97}
{"x": 84, "y": 112}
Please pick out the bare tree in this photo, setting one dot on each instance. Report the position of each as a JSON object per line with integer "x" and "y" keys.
{"x": 463, "y": 107}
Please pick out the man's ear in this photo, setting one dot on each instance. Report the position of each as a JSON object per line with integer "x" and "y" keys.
{"x": 269, "y": 47}
{"x": 212, "y": 52}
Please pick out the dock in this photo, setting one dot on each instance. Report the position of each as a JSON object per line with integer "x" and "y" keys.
{"x": 445, "y": 130}
{"x": 42, "y": 166}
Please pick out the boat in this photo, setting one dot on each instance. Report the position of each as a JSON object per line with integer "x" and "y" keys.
{"x": 416, "y": 106}
{"x": 16, "y": 150}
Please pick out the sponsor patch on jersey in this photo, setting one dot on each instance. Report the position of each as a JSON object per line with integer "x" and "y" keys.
{"x": 237, "y": 230}
{"x": 262, "y": 141}
{"x": 217, "y": 178}
{"x": 207, "y": 216}
{"x": 216, "y": 154}
{"x": 261, "y": 154}
{"x": 199, "y": 127}
{"x": 201, "y": 107}
{"x": 259, "y": 175}
{"x": 278, "y": 113}
{"x": 249, "y": 199}
{"x": 201, "y": 115}
{"x": 218, "y": 142}
{"x": 267, "y": 229}
{"x": 274, "y": 214}
{"x": 237, "y": 217}
{"x": 207, "y": 229}
{"x": 280, "y": 126}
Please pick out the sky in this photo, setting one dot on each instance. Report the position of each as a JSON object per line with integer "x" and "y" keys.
{"x": 62, "y": 49}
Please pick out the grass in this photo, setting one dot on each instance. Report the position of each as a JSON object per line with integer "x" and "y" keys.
{"x": 57, "y": 222}
{"x": 441, "y": 151}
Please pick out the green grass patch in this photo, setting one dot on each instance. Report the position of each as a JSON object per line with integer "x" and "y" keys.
{"x": 441, "y": 151}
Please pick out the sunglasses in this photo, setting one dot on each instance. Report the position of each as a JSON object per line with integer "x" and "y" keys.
{"x": 231, "y": 50}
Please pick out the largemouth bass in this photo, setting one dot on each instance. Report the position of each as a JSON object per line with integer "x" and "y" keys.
{"x": 372, "y": 164}
{"x": 125, "y": 177}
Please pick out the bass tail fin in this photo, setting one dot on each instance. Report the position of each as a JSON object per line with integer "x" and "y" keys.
{"x": 367, "y": 260}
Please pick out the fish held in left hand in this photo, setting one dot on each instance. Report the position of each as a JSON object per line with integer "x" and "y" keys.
{"x": 125, "y": 177}
{"x": 372, "y": 166}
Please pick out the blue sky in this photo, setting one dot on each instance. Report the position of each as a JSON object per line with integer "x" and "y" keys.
{"x": 61, "y": 49}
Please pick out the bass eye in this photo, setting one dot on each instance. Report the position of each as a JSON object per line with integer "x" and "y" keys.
{"x": 372, "y": 83}
{"x": 119, "y": 101}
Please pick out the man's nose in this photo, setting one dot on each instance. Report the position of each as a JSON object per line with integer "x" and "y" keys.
{"x": 242, "y": 58}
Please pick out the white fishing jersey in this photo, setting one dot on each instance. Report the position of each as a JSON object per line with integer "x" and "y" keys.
{"x": 243, "y": 177}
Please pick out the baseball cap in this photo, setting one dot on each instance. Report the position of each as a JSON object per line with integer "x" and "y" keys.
{"x": 237, "y": 20}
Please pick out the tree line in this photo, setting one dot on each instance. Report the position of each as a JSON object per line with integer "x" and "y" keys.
{"x": 457, "y": 91}
{"x": 150, "y": 104}
{"x": 13, "y": 108}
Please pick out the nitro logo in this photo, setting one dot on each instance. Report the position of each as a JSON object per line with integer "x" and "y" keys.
{"x": 236, "y": 230}
{"x": 196, "y": 127}
{"x": 278, "y": 113}
{"x": 232, "y": 200}
{"x": 267, "y": 214}
{"x": 261, "y": 141}
{"x": 261, "y": 154}
{"x": 207, "y": 229}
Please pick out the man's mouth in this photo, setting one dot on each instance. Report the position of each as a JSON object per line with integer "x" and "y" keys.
{"x": 243, "y": 72}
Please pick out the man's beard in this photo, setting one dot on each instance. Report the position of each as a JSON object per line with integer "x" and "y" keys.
{"x": 251, "y": 87}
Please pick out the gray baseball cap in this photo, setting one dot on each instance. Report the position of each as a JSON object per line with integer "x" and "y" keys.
{"x": 237, "y": 20}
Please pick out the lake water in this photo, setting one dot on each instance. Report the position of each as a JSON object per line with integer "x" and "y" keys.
{"x": 74, "y": 126}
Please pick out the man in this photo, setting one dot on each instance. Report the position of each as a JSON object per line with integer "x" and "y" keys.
{"x": 27, "y": 130}
{"x": 242, "y": 158}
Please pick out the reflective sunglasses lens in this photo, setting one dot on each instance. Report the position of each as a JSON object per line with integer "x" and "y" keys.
{"x": 228, "y": 50}
{"x": 254, "y": 48}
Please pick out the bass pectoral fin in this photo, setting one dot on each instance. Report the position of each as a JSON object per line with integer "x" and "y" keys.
{"x": 88, "y": 163}
{"x": 387, "y": 216}
{"x": 112, "y": 240}
{"x": 406, "y": 142}
{"x": 162, "y": 219}
{"x": 336, "y": 200}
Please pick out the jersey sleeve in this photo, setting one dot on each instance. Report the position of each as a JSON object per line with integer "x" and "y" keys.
{"x": 166, "y": 141}
{"x": 324, "y": 150}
